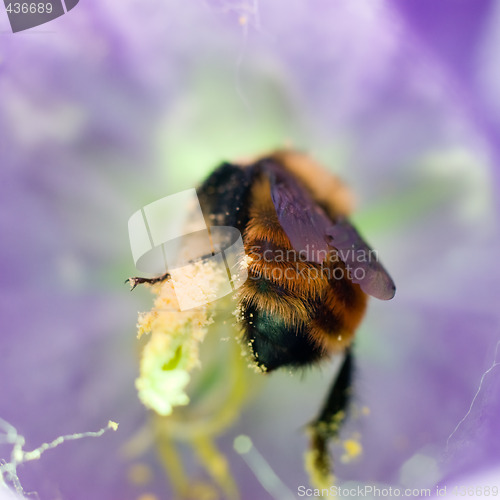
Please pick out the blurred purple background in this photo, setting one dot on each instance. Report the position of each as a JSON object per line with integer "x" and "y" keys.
{"x": 115, "y": 105}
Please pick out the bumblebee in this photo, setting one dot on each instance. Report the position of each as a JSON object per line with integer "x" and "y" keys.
{"x": 309, "y": 272}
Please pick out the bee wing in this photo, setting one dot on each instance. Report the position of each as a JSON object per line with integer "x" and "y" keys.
{"x": 365, "y": 268}
{"x": 302, "y": 220}
{"x": 312, "y": 232}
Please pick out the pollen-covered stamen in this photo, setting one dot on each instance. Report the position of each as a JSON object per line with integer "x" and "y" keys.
{"x": 172, "y": 351}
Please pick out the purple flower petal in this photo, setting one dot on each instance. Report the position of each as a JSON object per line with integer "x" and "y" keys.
{"x": 106, "y": 109}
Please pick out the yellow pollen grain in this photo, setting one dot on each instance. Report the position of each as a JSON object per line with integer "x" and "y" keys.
{"x": 242, "y": 20}
{"x": 139, "y": 474}
{"x": 246, "y": 262}
{"x": 352, "y": 449}
{"x": 113, "y": 425}
{"x": 365, "y": 410}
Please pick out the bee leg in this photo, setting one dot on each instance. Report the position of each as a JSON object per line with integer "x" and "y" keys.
{"x": 327, "y": 425}
{"x": 139, "y": 281}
